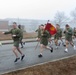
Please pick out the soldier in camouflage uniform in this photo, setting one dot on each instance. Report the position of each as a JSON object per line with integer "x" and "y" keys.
{"x": 19, "y": 26}
{"x": 49, "y": 37}
{"x": 75, "y": 33}
{"x": 68, "y": 37}
{"x": 58, "y": 35}
{"x": 15, "y": 33}
{"x": 39, "y": 33}
{"x": 43, "y": 36}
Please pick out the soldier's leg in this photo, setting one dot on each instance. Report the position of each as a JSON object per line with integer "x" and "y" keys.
{"x": 75, "y": 38}
{"x": 41, "y": 50}
{"x": 73, "y": 45}
{"x": 14, "y": 51}
{"x": 71, "y": 42}
{"x": 50, "y": 41}
{"x": 56, "y": 43}
{"x": 21, "y": 43}
{"x": 22, "y": 55}
{"x": 62, "y": 41}
{"x": 67, "y": 42}
{"x": 50, "y": 48}
{"x": 19, "y": 51}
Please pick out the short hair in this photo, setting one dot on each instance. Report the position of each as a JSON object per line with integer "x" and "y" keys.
{"x": 19, "y": 26}
{"x": 67, "y": 25}
{"x": 58, "y": 25}
{"x": 14, "y": 23}
{"x": 45, "y": 24}
{"x": 42, "y": 25}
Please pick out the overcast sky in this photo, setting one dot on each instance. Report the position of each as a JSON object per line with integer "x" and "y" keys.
{"x": 34, "y": 9}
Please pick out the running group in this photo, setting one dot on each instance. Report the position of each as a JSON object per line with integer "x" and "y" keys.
{"x": 44, "y": 37}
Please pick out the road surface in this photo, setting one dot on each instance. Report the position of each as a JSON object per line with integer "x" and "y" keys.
{"x": 31, "y": 56}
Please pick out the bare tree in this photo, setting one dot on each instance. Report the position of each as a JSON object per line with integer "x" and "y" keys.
{"x": 73, "y": 14}
{"x": 60, "y": 18}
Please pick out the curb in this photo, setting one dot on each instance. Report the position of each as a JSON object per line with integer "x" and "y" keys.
{"x": 26, "y": 41}
{"x": 23, "y": 41}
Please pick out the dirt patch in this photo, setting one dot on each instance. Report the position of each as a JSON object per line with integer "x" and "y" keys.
{"x": 62, "y": 67}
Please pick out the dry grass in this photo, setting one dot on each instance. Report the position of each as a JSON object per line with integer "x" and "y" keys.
{"x": 62, "y": 67}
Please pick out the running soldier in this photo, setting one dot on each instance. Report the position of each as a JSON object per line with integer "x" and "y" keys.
{"x": 21, "y": 42}
{"x": 58, "y": 36}
{"x": 49, "y": 38}
{"x": 75, "y": 33}
{"x": 39, "y": 32}
{"x": 68, "y": 37}
{"x": 16, "y": 34}
{"x": 44, "y": 34}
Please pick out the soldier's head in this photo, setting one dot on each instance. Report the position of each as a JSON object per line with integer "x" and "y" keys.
{"x": 74, "y": 28}
{"x": 48, "y": 21}
{"x": 14, "y": 25}
{"x": 19, "y": 26}
{"x": 67, "y": 26}
{"x": 57, "y": 26}
{"x": 42, "y": 27}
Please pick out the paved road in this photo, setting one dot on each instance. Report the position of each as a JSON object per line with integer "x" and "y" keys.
{"x": 7, "y": 57}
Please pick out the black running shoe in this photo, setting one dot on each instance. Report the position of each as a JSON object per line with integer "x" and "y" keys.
{"x": 51, "y": 49}
{"x": 24, "y": 43}
{"x": 22, "y": 57}
{"x": 16, "y": 59}
{"x": 40, "y": 56}
{"x": 64, "y": 45}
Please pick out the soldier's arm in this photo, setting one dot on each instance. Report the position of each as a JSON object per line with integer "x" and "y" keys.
{"x": 9, "y": 32}
{"x": 39, "y": 34}
{"x": 64, "y": 32}
{"x": 73, "y": 33}
{"x": 36, "y": 30}
{"x": 70, "y": 32}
